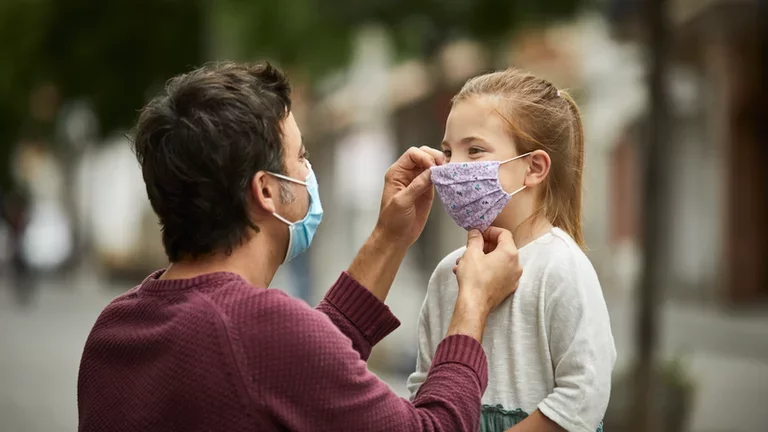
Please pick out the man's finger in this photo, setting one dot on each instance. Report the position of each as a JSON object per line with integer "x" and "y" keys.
{"x": 489, "y": 247}
{"x": 475, "y": 240}
{"x": 414, "y": 158}
{"x": 504, "y": 244}
{"x": 496, "y": 235}
{"x": 421, "y": 184}
{"x": 436, "y": 154}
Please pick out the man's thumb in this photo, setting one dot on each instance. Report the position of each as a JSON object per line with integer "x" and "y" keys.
{"x": 475, "y": 240}
{"x": 417, "y": 188}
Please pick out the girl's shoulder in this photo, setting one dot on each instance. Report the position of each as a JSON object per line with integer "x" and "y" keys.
{"x": 450, "y": 260}
{"x": 444, "y": 271}
{"x": 557, "y": 256}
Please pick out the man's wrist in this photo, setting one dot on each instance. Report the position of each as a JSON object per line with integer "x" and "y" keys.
{"x": 471, "y": 303}
{"x": 469, "y": 318}
{"x": 377, "y": 262}
{"x": 382, "y": 238}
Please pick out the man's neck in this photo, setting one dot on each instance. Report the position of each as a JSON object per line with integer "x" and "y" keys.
{"x": 254, "y": 261}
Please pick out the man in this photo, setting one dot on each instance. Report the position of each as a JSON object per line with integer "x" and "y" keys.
{"x": 204, "y": 346}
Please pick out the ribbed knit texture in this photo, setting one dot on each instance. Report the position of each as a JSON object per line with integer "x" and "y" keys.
{"x": 214, "y": 353}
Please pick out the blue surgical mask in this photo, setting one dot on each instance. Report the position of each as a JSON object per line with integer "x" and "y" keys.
{"x": 302, "y": 232}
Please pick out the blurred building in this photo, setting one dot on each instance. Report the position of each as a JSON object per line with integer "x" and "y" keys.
{"x": 718, "y": 241}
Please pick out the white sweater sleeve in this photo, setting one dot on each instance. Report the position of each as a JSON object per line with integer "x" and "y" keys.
{"x": 426, "y": 346}
{"x": 582, "y": 348}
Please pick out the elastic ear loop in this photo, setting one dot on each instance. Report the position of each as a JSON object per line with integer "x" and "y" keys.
{"x": 290, "y": 179}
{"x": 286, "y": 178}
{"x": 516, "y": 158}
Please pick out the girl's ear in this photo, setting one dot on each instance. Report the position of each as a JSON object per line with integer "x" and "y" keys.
{"x": 538, "y": 169}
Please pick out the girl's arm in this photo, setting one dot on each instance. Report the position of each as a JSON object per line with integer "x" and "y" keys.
{"x": 427, "y": 346}
{"x": 582, "y": 349}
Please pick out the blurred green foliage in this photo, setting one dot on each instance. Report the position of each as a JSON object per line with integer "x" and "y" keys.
{"x": 315, "y": 36}
{"x": 117, "y": 53}
{"x": 108, "y": 52}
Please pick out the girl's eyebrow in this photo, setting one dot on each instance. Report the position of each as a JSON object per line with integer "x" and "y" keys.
{"x": 467, "y": 140}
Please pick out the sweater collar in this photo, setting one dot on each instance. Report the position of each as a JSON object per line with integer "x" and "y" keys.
{"x": 153, "y": 283}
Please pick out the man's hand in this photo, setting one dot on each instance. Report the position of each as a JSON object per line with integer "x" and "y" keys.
{"x": 490, "y": 269}
{"x": 487, "y": 274}
{"x": 405, "y": 205}
{"x": 408, "y": 194}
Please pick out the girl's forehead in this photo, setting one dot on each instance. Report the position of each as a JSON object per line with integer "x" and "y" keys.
{"x": 474, "y": 115}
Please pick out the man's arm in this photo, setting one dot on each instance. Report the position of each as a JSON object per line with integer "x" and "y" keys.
{"x": 405, "y": 205}
{"x": 483, "y": 284}
{"x": 339, "y": 391}
{"x": 360, "y": 316}
{"x": 360, "y": 292}
{"x": 376, "y": 264}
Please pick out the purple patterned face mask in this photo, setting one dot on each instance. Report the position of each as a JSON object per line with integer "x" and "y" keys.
{"x": 471, "y": 192}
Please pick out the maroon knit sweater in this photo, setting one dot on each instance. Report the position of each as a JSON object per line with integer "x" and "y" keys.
{"x": 214, "y": 353}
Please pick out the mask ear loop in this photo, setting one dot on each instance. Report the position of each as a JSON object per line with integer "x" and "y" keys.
{"x": 292, "y": 180}
{"x": 515, "y": 192}
{"x": 282, "y": 219}
{"x": 516, "y": 158}
{"x": 286, "y": 178}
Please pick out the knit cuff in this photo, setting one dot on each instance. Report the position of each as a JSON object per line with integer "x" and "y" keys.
{"x": 464, "y": 350}
{"x": 372, "y": 317}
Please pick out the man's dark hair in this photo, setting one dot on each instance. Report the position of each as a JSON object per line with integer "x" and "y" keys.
{"x": 199, "y": 145}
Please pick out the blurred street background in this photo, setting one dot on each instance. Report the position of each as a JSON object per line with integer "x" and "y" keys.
{"x": 682, "y": 255}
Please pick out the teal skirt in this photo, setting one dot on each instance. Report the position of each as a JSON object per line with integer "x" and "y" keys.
{"x": 494, "y": 418}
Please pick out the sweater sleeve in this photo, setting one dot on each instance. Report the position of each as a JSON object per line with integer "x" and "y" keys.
{"x": 582, "y": 349}
{"x": 358, "y": 314}
{"x": 315, "y": 380}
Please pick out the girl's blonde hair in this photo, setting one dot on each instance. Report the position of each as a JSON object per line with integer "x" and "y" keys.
{"x": 541, "y": 117}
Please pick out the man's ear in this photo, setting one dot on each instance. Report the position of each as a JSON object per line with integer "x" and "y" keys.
{"x": 265, "y": 192}
{"x": 538, "y": 169}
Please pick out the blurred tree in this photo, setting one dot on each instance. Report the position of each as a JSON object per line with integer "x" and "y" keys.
{"x": 111, "y": 53}
{"x": 115, "y": 53}
{"x": 315, "y": 36}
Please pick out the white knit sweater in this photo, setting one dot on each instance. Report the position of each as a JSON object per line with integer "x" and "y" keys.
{"x": 549, "y": 345}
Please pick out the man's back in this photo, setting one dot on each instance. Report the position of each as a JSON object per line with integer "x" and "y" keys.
{"x": 214, "y": 353}
{"x": 167, "y": 359}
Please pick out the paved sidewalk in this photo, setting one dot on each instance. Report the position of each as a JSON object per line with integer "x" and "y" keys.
{"x": 41, "y": 346}
{"x": 727, "y": 354}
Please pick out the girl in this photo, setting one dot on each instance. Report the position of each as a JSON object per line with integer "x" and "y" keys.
{"x": 516, "y": 151}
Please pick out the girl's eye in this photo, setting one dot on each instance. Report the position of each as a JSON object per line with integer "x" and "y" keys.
{"x": 475, "y": 150}
{"x": 447, "y": 153}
